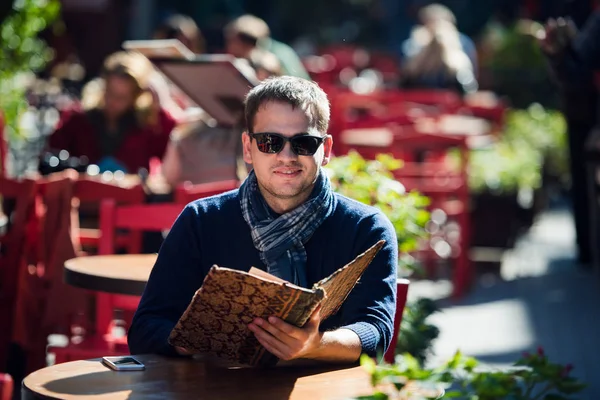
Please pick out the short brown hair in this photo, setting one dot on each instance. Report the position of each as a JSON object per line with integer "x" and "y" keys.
{"x": 298, "y": 92}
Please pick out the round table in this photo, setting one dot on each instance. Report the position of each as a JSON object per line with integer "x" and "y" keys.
{"x": 177, "y": 378}
{"x": 118, "y": 274}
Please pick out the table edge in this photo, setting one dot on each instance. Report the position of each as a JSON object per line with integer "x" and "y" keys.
{"x": 99, "y": 283}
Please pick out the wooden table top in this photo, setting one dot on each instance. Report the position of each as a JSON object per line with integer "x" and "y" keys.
{"x": 177, "y": 378}
{"x": 118, "y": 274}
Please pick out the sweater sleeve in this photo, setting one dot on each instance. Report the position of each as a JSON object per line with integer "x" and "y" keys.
{"x": 370, "y": 308}
{"x": 174, "y": 279}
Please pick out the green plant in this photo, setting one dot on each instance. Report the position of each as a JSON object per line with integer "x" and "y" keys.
{"x": 21, "y": 54}
{"x": 532, "y": 140}
{"x": 372, "y": 182}
{"x": 532, "y": 377}
{"x": 505, "y": 167}
{"x": 416, "y": 335}
{"x": 544, "y": 130}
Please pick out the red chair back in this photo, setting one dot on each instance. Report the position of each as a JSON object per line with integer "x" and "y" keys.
{"x": 401, "y": 295}
{"x": 6, "y": 387}
{"x": 91, "y": 192}
{"x": 187, "y": 192}
{"x": 138, "y": 217}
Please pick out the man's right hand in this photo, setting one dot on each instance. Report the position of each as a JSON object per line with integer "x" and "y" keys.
{"x": 556, "y": 36}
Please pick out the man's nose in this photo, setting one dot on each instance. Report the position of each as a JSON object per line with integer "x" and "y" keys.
{"x": 287, "y": 153}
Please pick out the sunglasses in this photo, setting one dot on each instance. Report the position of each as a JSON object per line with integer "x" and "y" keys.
{"x": 303, "y": 144}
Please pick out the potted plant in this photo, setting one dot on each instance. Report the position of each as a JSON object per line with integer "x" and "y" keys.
{"x": 532, "y": 377}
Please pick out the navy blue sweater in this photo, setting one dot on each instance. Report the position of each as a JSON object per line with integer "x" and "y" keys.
{"x": 213, "y": 231}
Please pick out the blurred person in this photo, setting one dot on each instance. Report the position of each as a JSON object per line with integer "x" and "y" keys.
{"x": 121, "y": 126}
{"x": 202, "y": 153}
{"x": 429, "y": 17}
{"x": 574, "y": 58}
{"x": 265, "y": 64}
{"x": 441, "y": 62}
{"x": 245, "y": 33}
{"x": 184, "y": 29}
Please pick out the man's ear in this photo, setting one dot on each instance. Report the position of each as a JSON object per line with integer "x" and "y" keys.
{"x": 247, "y": 146}
{"x": 327, "y": 146}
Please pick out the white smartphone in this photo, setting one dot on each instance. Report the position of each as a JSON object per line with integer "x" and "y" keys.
{"x": 123, "y": 363}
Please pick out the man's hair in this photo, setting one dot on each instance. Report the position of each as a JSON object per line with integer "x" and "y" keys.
{"x": 297, "y": 92}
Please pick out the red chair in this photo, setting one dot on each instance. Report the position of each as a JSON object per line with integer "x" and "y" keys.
{"x": 138, "y": 217}
{"x": 401, "y": 295}
{"x": 45, "y": 304}
{"x": 187, "y": 192}
{"x": 18, "y": 200}
{"x": 427, "y": 173}
{"x": 88, "y": 193}
{"x": 6, "y": 387}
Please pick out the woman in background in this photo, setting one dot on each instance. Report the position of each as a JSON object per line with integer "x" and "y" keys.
{"x": 121, "y": 126}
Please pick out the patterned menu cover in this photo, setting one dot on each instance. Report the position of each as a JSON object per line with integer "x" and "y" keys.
{"x": 216, "y": 320}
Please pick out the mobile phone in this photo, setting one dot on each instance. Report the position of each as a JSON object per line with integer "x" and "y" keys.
{"x": 123, "y": 363}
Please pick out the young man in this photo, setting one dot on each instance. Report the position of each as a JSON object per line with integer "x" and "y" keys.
{"x": 284, "y": 219}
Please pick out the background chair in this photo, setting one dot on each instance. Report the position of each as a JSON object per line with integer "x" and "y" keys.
{"x": 17, "y": 204}
{"x": 6, "y": 387}
{"x": 402, "y": 293}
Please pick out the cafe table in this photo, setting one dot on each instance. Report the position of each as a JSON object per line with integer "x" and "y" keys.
{"x": 118, "y": 274}
{"x": 199, "y": 378}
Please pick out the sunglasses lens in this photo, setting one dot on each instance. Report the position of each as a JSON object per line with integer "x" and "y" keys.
{"x": 305, "y": 145}
{"x": 269, "y": 143}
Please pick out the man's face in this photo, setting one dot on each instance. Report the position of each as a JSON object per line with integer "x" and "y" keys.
{"x": 284, "y": 176}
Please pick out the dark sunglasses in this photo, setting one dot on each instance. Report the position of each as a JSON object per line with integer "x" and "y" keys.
{"x": 303, "y": 144}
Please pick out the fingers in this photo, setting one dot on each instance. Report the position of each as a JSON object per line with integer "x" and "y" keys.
{"x": 315, "y": 318}
{"x": 280, "y": 329}
{"x": 274, "y": 340}
{"x": 271, "y": 345}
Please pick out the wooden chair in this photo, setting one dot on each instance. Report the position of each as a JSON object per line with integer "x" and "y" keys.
{"x": 18, "y": 200}
{"x": 401, "y": 295}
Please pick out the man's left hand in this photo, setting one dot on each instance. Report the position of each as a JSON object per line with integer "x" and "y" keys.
{"x": 287, "y": 341}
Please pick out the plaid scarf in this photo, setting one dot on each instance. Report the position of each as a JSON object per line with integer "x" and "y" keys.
{"x": 281, "y": 240}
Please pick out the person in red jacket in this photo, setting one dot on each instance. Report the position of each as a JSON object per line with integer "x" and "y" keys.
{"x": 122, "y": 125}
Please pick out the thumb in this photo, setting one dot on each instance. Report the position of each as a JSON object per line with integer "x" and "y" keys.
{"x": 315, "y": 318}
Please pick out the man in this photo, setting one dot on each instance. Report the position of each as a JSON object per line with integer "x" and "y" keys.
{"x": 248, "y": 33}
{"x": 284, "y": 219}
{"x": 575, "y": 57}
{"x": 429, "y": 17}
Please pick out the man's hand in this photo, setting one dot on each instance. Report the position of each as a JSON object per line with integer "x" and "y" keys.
{"x": 286, "y": 341}
{"x": 183, "y": 352}
{"x": 556, "y": 36}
